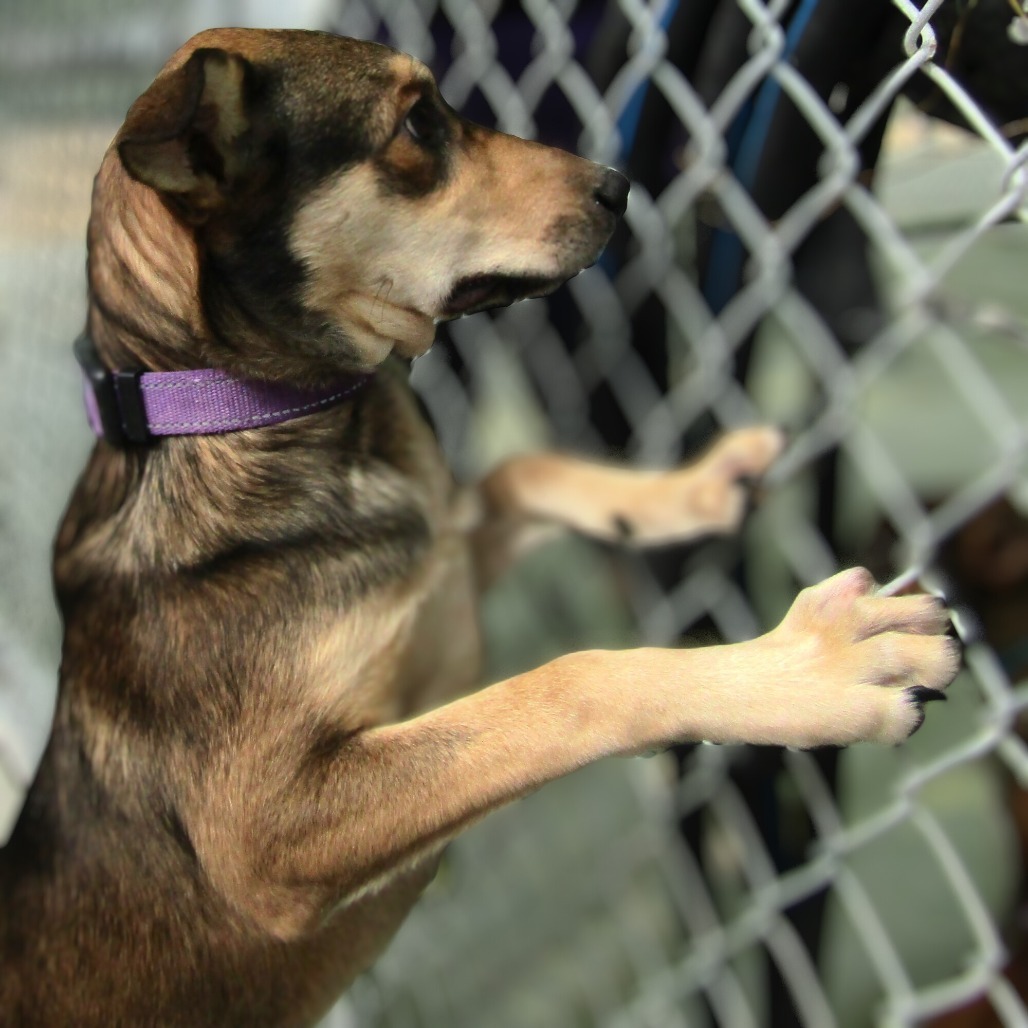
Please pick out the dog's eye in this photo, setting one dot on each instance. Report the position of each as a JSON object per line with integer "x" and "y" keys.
{"x": 424, "y": 123}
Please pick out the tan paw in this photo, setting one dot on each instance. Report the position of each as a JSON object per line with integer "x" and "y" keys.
{"x": 860, "y": 666}
{"x": 744, "y": 452}
{"x": 709, "y": 496}
{"x": 723, "y": 478}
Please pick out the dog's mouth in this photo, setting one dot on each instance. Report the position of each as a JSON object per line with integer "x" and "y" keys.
{"x": 481, "y": 292}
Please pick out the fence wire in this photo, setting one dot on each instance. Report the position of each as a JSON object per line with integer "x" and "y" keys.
{"x": 826, "y": 230}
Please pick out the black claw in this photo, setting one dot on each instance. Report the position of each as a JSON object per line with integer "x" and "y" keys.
{"x": 921, "y": 694}
{"x": 918, "y": 723}
{"x": 623, "y": 527}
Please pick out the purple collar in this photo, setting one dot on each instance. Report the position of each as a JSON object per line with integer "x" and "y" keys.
{"x": 135, "y": 406}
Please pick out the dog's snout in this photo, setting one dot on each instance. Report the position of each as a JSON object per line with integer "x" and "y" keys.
{"x": 612, "y": 191}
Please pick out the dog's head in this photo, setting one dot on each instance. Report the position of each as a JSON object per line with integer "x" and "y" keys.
{"x": 340, "y": 207}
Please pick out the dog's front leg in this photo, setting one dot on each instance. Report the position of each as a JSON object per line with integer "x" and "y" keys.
{"x": 843, "y": 666}
{"x": 528, "y": 497}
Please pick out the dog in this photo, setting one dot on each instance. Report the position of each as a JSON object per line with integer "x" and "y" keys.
{"x": 265, "y": 732}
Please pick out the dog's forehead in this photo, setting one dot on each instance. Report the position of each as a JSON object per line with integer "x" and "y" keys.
{"x": 317, "y": 69}
{"x": 299, "y": 47}
{"x": 328, "y": 85}
{"x": 318, "y": 66}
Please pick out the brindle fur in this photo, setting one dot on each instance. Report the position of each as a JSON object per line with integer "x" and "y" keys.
{"x": 256, "y": 755}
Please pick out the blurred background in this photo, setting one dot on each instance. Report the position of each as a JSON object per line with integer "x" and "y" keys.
{"x": 826, "y": 230}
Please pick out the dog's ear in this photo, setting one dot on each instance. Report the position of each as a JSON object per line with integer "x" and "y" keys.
{"x": 190, "y": 136}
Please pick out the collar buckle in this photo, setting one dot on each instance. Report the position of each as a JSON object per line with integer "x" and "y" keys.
{"x": 117, "y": 399}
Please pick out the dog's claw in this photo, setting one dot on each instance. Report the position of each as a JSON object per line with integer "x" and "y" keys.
{"x": 921, "y": 694}
{"x": 917, "y": 724}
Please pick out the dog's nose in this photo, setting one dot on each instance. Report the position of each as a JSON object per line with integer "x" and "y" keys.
{"x": 612, "y": 191}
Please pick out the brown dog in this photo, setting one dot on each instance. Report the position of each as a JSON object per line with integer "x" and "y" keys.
{"x": 256, "y": 759}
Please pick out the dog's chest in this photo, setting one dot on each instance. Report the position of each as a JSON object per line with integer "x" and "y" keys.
{"x": 412, "y": 643}
{"x": 443, "y": 655}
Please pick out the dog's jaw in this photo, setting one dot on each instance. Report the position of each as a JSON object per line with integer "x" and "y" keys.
{"x": 484, "y": 292}
{"x": 376, "y": 327}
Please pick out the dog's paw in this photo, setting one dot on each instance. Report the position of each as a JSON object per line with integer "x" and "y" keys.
{"x": 853, "y": 666}
{"x": 744, "y": 452}
{"x": 722, "y": 479}
{"x": 709, "y": 496}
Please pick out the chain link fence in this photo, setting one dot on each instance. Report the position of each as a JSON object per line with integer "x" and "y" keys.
{"x": 826, "y": 230}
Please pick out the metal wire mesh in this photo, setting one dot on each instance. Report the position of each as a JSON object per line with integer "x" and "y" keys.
{"x": 728, "y": 885}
